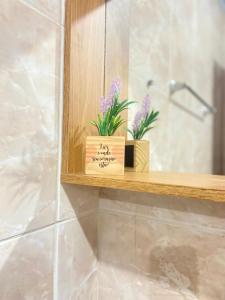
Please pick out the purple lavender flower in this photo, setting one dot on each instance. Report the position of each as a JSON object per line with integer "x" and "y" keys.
{"x": 140, "y": 115}
{"x": 107, "y": 103}
{"x": 114, "y": 89}
{"x": 113, "y": 92}
{"x": 137, "y": 120}
{"x": 103, "y": 107}
{"x": 146, "y": 105}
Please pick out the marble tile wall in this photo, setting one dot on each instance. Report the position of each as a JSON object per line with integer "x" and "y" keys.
{"x": 48, "y": 232}
{"x": 77, "y": 243}
{"x": 153, "y": 247}
{"x": 59, "y": 242}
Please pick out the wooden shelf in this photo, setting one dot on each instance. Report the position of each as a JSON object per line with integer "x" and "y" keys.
{"x": 197, "y": 186}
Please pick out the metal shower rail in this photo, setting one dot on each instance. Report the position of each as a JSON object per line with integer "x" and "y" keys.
{"x": 176, "y": 86}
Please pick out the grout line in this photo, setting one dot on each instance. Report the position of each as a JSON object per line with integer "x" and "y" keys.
{"x": 42, "y": 228}
{"x": 55, "y": 263}
{"x": 41, "y": 13}
{"x": 63, "y": 12}
{"x": 85, "y": 280}
{"x": 60, "y": 117}
{"x": 135, "y": 240}
{"x": 59, "y": 162}
{"x": 97, "y": 280}
{"x": 97, "y": 233}
{"x": 105, "y": 34}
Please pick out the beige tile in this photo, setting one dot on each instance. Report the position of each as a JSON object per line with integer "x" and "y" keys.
{"x": 77, "y": 200}
{"x": 89, "y": 289}
{"x": 26, "y": 267}
{"x": 29, "y": 89}
{"x": 165, "y": 208}
{"x": 108, "y": 294}
{"x": 89, "y": 225}
{"x": 115, "y": 281}
{"x": 183, "y": 14}
{"x": 179, "y": 247}
{"x": 189, "y": 261}
{"x": 114, "y": 199}
{"x": 117, "y": 205}
{"x": 77, "y": 257}
{"x": 51, "y": 8}
{"x": 127, "y": 283}
{"x": 116, "y": 237}
{"x": 149, "y": 52}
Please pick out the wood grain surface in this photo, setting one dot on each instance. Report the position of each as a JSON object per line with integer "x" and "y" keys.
{"x": 197, "y": 186}
{"x": 141, "y": 156}
{"x": 104, "y": 155}
{"x": 84, "y": 77}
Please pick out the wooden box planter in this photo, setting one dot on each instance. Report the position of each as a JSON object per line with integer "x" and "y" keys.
{"x": 104, "y": 155}
{"x": 137, "y": 156}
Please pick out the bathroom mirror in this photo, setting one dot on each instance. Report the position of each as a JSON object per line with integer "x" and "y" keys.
{"x": 175, "y": 52}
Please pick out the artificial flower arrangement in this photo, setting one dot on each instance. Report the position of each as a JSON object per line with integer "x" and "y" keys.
{"x": 109, "y": 118}
{"x": 137, "y": 150}
{"x": 105, "y": 153}
{"x": 143, "y": 120}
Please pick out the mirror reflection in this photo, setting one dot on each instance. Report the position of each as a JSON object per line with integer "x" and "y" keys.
{"x": 173, "y": 51}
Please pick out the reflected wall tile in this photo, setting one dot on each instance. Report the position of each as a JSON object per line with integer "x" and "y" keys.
{"x": 177, "y": 40}
{"x": 187, "y": 62}
{"x": 77, "y": 200}
{"x": 149, "y": 49}
{"x": 26, "y": 267}
{"x": 187, "y": 260}
{"x": 29, "y": 89}
{"x": 116, "y": 238}
{"x": 77, "y": 257}
{"x": 51, "y": 8}
{"x": 149, "y": 59}
{"x": 181, "y": 42}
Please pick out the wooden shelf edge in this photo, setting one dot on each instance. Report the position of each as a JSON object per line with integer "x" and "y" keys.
{"x": 196, "y": 186}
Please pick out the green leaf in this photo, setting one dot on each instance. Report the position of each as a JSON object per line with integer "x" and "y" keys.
{"x": 111, "y": 120}
{"x": 145, "y": 131}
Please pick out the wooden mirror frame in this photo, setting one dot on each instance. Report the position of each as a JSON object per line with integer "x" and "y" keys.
{"x": 85, "y": 80}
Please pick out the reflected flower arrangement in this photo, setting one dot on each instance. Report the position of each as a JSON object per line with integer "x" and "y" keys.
{"x": 143, "y": 120}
